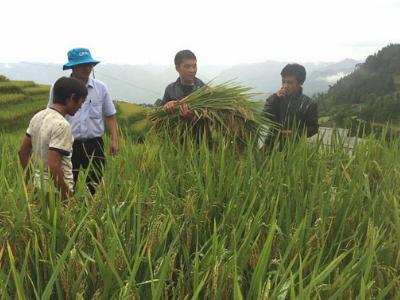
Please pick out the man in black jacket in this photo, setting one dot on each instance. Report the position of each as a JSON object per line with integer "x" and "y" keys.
{"x": 187, "y": 83}
{"x": 294, "y": 112}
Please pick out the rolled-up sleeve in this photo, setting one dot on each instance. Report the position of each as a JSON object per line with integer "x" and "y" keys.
{"x": 108, "y": 105}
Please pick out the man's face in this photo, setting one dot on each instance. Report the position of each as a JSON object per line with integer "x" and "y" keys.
{"x": 187, "y": 69}
{"x": 290, "y": 85}
{"x": 82, "y": 72}
{"x": 74, "y": 105}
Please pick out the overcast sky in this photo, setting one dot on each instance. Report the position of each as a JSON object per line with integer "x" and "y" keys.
{"x": 219, "y": 32}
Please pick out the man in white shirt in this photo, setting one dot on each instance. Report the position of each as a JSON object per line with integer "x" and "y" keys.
{"x": 88, "y": 123}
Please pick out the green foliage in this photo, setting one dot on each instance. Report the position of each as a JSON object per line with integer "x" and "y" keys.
{"x": 11, "y": 98}
{"x": 133, "y": 119}
{"x": 176, "y": 221}
{"x": 19, "y": 101}
{"x": 38, "y": 90}
{"x": 3, "y": 78}
{"x": 9, "y": 87}
{"x": 226, "y": 108}
{"x": 369, "y": 93}
{"x": 17, "y": 115}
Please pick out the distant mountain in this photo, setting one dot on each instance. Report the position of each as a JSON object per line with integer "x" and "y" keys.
{"x": 146, "y": 83}
{"x": 265, "y": 77}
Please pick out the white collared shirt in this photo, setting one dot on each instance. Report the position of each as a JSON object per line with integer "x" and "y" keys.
{"x": 88, "y": 122}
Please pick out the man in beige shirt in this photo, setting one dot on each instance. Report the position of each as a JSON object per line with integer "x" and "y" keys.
{"x": 48, "y": 140}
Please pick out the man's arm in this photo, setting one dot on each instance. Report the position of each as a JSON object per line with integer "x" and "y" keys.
{"x": 112, "y": 125}
{"x": 109, "y": 113}
{"x": 167, "y": 101}
{"x": 165, "y": 98}
{"x": 312, "y": 119}
{"x": 57, "y": 173}
{"x": 270, "y": 108}
{"x": 24, "y": 154}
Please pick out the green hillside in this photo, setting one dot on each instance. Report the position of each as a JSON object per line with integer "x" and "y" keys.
{"x": 370, "y": 93}
{"x": 133, "y": 119}
{"x": 19, "y": 101}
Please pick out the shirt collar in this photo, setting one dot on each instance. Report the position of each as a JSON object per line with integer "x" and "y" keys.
{"x": 56, "y": 110}
{"x": 178, "y": 81}
{"x": 90, "y": 83}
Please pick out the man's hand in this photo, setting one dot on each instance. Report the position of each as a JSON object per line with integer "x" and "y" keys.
{"x": 170, "y": 106}
{"x": 281, "y": 93}
{"x": 186, "y": 113}
{"x": 57, "y": 174}
{"x": 114, "y": 147}
{"x": 112, "y": 125}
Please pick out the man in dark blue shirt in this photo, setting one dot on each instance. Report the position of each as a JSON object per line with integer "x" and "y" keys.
{"x": 295, "y": 113}
{"x": 187, "y": 83}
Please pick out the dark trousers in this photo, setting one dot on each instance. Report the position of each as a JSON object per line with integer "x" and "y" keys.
{"x": 87, "y": 152}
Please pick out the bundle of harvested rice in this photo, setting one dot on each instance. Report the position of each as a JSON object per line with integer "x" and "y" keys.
{"x": 227, "y": 109}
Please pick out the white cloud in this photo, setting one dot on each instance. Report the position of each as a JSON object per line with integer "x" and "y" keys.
{"x": 220, "y": 32}
{"x": 333, "y": 78}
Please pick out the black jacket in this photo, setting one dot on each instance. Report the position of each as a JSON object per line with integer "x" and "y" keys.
{"x": 294, "y": 112}
{"x": 177, "y": 91}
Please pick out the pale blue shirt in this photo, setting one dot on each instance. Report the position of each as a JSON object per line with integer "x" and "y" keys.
{"x": 88, "y": 122}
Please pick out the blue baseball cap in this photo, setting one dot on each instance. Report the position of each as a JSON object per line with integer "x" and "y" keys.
{"x": 79, "y": 56}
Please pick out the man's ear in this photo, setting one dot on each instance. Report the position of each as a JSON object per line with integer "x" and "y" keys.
{"x": 176, "y": 68}
{"x": 71, "y": 98}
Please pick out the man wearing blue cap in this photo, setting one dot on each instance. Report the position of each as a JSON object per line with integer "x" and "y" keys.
{"x": 88, "y": 123}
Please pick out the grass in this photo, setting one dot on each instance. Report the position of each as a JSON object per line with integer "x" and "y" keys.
{"x": 38, "y": 90}
{"x": 13, "y": 112}
{"x": 133, "y": 117}
{"x": 180, "y": 221}
{"x": 126, "y": 109}
{"x": 11, "y": 98}
{"x": 19, "y": 101}
{"x": 15, "y": 86}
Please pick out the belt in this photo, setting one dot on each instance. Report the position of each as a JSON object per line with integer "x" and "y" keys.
{"x": 88, "y": 140}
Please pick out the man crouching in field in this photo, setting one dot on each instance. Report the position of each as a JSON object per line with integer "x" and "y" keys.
{"x": 295, "y": 113}
{"x": 49, "y": 138}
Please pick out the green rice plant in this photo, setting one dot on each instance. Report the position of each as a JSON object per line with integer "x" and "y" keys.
{"x": 9, "y": 87}
{"x": 225, "y": 108}
{"x": 38, "y": 90}
{"x": 3, "y": 78}
{"x": 17, "y": 116}
{"x": 127, "y": 110}
{"x": 11, "y": 98}
{"x": 24, "y": 83}
{"x": 180, "y": 220}
{"x": 15, "y": 111}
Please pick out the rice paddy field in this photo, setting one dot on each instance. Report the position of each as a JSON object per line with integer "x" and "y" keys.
{"x": 178, "y": 219}
{"x": 19, "y": 101}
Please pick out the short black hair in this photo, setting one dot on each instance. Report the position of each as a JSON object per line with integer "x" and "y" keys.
{"x": 295, "y": 70}
{"x": 183, "y": 54}
{"x": 67, "y": 86}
